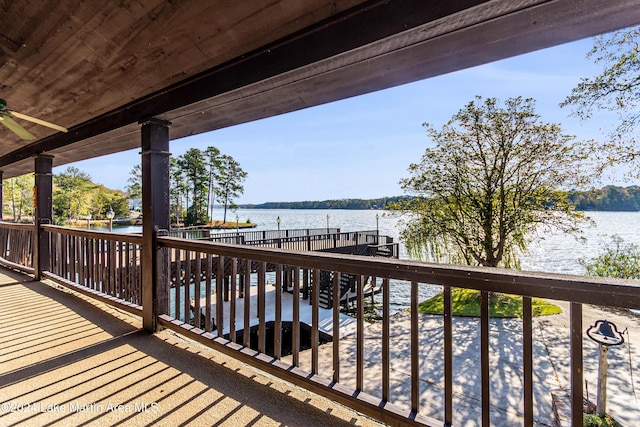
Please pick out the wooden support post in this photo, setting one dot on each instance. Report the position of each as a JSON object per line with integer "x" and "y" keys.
{"x": 155, "y": 214}
{"x": 603, "y": 365}
{"x": 43, "y": 212}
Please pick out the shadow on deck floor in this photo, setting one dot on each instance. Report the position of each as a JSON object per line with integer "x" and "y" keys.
{"x": 67, "y": 360}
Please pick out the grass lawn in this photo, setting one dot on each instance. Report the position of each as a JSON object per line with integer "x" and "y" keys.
{"x": 466, "y": 302}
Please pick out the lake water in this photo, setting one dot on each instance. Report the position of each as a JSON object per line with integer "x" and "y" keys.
{"x": 550, "y": 251}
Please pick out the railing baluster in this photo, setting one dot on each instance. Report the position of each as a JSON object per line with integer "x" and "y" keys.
{"x": 197, "y": 294}
{"x": 277, "y": 330}
{"x": 208, "y": 320}
{"x": 104, "y": 273}
{"x": 136, "y": 275}
{"x": 187, "y": 287}
{"x": 178, "y": 284}
{"x": 360, "y": 333}
{"x": 80, "y": 260}
{"x": 232, "y": 302}
{"x": 261, "y": 308}
{"x": 484, "y": 357}
{"x": 219, "y": 291}
{"x": 63, "y": 251}
{"x": 127, "y": 269}
{"x": 246, "y": 324}
{"x": 121, "y": 269}
{"x": 315, "y": 319}
{"x": 112, "y": 267}
{"x": 87, "y": 259}
{"x": 295, "y": 327}
{"x": 336, "y": 326}
{"x": 415, "y": 354}
{"x": 448, "y": 357}
{"x": 91, "y": 242}
{"x": 575, "y": 319}
{"x": 386, "y": 319}
{"x": 527, "y": 360}
{"x": 74, "y": 259}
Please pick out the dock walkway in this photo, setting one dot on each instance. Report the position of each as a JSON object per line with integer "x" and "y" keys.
{"x": 68, "y": 360}
{"x": 325, "y": 316}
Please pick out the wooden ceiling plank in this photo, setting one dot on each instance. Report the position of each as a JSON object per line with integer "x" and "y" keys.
{"x": 330, "y": 60}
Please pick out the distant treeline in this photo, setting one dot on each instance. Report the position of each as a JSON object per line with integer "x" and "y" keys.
{"x": 380, "y": 203}
{"x": 609, "y": 198}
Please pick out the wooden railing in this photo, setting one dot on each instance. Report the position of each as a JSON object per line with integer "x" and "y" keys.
{"x": 245, "y": 236}
{"x": 98, "y": 263}
{"x": 319, "y": 239}
{"x": 16, "y": 246}
{"x": 328, "y": 369}
{"x": 377, "y": 370}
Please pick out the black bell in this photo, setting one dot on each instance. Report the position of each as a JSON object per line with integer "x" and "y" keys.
{"x": 605, "y": 333}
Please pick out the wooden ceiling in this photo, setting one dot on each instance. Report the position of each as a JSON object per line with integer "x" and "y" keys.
{"x": 101, "y": 67}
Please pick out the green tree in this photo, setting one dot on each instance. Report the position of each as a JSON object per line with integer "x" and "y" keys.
{"x": 214, "y": 163}
{"x": 18, "y": 195}
{"x": 492, "y": 177}
{"x": 134, "y": 186}
{"x": 177, "y": 191}
{"x": 618, "y": 259}
{"x": 72, "y": 194}
{"x": 105, "y": 199}
{"x": 617, "y": 89}
{"x": 194, "y": 167}
{"x": 229, "y": 179}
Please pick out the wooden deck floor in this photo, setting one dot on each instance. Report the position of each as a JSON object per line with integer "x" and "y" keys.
{"x": 66, "y": 360}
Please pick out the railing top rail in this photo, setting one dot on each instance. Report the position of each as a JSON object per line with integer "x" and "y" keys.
{"x": 215, "y": 233}
{"x": 104, "y": 235}
{"x": 586, "y": 290}
{"x": 16, "y": 225}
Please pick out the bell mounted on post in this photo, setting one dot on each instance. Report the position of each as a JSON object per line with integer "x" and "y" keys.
{"x": 605, "y": 333}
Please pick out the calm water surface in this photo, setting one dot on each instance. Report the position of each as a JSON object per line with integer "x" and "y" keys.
{"x": 550, "y": 251}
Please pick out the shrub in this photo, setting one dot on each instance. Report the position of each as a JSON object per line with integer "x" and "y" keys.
{"x": 619, "y": 259}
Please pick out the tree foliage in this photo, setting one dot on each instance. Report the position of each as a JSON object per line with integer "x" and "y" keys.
{"x": 380, "y": 203}
{"x": 618, "y": 259}
{"x": 193, "y": 166}
{"x": 17, "y": 193}
{"x": 609, "y": 198}
{"x": 134, "y": 183}
{"x": 229, "y": 179}
{"x": 197, "y": 178}
{"x": 492, "y": 177}
{"x": 75, "y": 195}
{"x": 616, "y": 89}
{"x": 71, "y": 194}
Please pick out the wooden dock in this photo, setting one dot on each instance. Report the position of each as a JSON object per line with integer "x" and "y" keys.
{"x": 347, "y": 324}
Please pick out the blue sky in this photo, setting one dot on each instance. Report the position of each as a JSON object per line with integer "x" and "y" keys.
{"x": 361, "y": 147}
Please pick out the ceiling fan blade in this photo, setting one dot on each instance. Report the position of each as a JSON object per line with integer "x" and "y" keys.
{"x": 39, "y": 121}
{"x": 16, "y": 128}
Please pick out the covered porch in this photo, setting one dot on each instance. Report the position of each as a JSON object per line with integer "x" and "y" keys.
{"x": 123, "y": 76}
{"x": 70, "y": 360}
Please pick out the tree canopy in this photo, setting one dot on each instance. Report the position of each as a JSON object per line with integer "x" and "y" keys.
{"x": 615, "y": 89}
{"x": 197, "y": 179}
{"x": 75, "y": 195}
{"x": 17, "y": 194}
{"x": 229, "y": 178}
{"x": 493, "y": 175}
